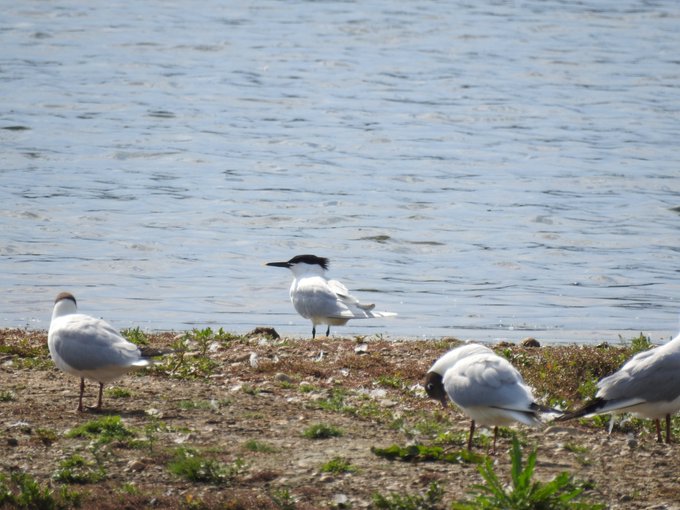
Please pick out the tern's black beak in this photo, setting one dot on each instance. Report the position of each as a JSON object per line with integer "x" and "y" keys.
{"x": 279, "y": 264}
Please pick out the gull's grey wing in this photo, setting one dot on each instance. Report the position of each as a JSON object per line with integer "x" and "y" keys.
{"x": 652, "y": 376}
{"x": 86, "y": 343}
{"x": 487, "y": 380}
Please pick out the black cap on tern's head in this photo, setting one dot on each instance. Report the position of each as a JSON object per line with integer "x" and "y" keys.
{"x": 303, "y": 259}
{"x": 434, "y": 386}
{"x": 65, "y": 295}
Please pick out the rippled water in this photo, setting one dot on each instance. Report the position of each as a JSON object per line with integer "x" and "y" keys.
{"x": 485, "y": 169}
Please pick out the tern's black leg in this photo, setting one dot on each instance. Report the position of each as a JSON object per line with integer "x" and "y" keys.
{"x": 313, "y": 332}
{"x": 328, "y": 330}
{"x": 668, "y": 429}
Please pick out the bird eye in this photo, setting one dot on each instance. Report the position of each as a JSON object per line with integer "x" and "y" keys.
{"x": 429, "y": 387}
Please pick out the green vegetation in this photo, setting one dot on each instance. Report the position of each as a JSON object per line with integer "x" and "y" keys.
{"x": 430, "y": 500}
{"x": 105, "y": 429}
{"x": 523, "y": 493}
{"x": 117, "y": 392}
{"x": 46, "y": 436}
{"x": 283, "y": 499}
{"x": 639, "y": 343}
{"x": 190, "y": 359}
{"x": 423, "y": 453}
{"x": 195, "y": 467}
{"x": 321, "y": 431}
{"x": 21, "y": 490}
{"x": 7, "y": 396}
{"x": 76, "y": 469}
{"x": 135, "y": 335}
{"x": 338, "y": 465}
{"x": 254, "y": 445}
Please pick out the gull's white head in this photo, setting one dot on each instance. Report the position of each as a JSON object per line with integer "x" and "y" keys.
{"x": 64, "y": 304}
{"x": 304, "y": 265}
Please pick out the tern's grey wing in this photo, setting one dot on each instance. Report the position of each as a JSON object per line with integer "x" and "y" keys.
{"x": 318, "y": 300}
{"x": 350, "y": 301}
{"x": 653, "y": 376}
{"x": 86, "y": 343}
{"x": 487, "y": 380}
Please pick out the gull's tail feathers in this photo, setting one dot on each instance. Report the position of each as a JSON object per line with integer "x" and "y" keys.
{"x": 592, "y": 407}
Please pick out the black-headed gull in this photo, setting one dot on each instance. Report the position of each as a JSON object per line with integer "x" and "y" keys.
{"x": 489, "y": 390}
{"x": 647, "y": 385}
{"x": 434, "y": 379}
{"x": 89, "y": 348}
{"x": 321, "y": 300}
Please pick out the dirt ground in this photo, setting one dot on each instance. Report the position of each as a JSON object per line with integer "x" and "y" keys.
{"x": 245, "y": 404}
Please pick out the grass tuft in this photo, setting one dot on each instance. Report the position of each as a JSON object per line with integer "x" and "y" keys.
{"x": 321, "y": 431}
{"x": 424, "y": 453}
{"x": 105, "y": 429}
{"x": 430, "y": 500}
{"x": 195, "y": 467}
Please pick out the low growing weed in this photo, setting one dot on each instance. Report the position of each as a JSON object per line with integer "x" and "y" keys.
{"x": 337, "y": 466}
{"x": 523, "y": 493}
{"x": 321, "y": 431}
{"x": 105, "y": 429}
{"x": 192, "y": 465}
{"x": 430, "y": 500}
{"x": 76, "y": 469}
{"x": 21, "y": 490}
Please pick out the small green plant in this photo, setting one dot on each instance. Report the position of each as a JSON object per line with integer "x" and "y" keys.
{"x": 135, "y": 335}
{"x": 523, "y": 493}
{"x": 7, "y": 396}
{"x": 321, "y": 431}
{"x": 283, "y": 499}
{"x": 338, "y": 465}
{"x": 259, "y": 446}
{"x": 430, "y": 500}
{"x": 21, "y": 490}
{"x": 105, "y": 429}
{"x": 588, "y": 388}
{"x": 46, "y": 436}
{"x": 76, "y": 469}
{"x": 192, "y": 465}
{"x": 424, "y": 453}
{"x": 640, "y": 343}
{"x": 335, "y": 401}
{"x": 392, "y": 381}
{"x": 118, "y": 393}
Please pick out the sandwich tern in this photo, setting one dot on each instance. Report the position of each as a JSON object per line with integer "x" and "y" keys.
{"x": 486, "y": 387}
{"x": 89, "y": 348}
{"x": 321, "y": 300}
{"x": 647, "y": 385}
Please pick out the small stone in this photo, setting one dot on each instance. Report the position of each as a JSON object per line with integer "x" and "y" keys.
{"x": 281, "y": 377}
{"x": 340, "y": 501}
{"x": 530, "y": 342}
{"x": 361, "y": 349}
{"x": 266, "y": 332}
{"x": 12, "y": 441}
{"x": 135, "y": 466}
{"x": 253, "y": 360}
